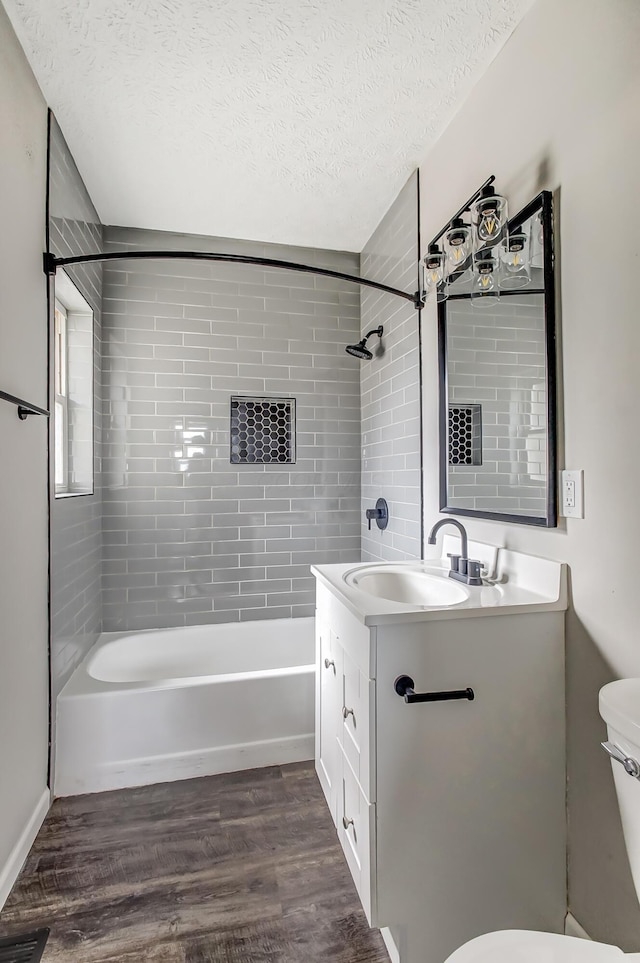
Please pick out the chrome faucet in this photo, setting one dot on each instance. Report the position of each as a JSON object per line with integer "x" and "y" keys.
{"x": 463, "y": 568}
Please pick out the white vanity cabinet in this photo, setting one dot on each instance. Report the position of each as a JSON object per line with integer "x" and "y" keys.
{"x": 450, "y": 814}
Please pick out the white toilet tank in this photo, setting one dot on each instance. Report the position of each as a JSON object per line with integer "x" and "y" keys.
{"x": 619, "y": 704}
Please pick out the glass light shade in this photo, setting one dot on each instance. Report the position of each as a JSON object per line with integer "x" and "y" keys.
{"x": 434, "y": 273}
{"x": 458, "y": 245}
{"x": 485, "y": 286}
{"x": 516, "y": 259}
{"x": 536, "y": 248}
{"x": 489, "y": 216}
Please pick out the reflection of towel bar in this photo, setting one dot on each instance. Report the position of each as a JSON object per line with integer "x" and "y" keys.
{"x": 24, "y": 407}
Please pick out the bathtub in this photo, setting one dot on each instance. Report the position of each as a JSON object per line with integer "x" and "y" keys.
{"x": 169, "y": 704}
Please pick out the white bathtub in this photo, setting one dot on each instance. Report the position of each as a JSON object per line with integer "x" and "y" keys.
{"x": 175, "y": 703}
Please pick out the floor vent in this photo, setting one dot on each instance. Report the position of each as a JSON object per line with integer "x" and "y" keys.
{"x": 27, "y": 948}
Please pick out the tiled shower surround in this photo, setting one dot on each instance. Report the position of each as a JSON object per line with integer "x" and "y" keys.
{"x": 76, "y": 550}
{"x": 391, "y": 427}
{"x": 188, "y": 536}
{"x": 496, "y": 358}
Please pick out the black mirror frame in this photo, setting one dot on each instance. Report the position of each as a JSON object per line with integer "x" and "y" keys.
{"x": 544, "y": 203}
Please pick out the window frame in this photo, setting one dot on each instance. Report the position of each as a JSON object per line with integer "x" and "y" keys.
{"x": 73, "y": 390}
{"x": 61, "y": 396}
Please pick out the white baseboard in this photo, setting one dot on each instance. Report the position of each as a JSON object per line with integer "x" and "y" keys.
{"x": 573, "y": 928}
{"x": 184, "y": 765}
{"x": 389, "y": 942}
{"x": 11, "y": 869}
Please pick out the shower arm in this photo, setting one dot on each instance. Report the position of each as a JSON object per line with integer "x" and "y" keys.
{"x": 52, "y": 263}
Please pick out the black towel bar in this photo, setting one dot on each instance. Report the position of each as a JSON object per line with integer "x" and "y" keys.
{"x": 404, "y": 687}
{"x": 24, "y": 407}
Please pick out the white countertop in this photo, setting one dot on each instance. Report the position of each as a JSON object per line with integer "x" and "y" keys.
{"x": 524, "y": 584}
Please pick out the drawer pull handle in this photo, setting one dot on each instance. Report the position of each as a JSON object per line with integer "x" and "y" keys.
{"x": 404, "y": 687}
{"x": 348, "y": 712}
{"x": 328, "y": 664}
{"x": 347, "y": 822}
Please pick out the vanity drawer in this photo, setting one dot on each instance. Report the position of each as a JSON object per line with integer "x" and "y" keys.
{"x": 356, "y": 732}
{"x": 356, "y": 832}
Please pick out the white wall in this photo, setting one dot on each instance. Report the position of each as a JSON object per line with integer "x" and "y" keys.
{"x": 559, "y": 108}
{"x": 23, "y": 474}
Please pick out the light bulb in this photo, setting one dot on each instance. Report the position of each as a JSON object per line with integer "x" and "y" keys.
{"x": 457, "y": 243}
{"x": 516, "y": 251}
{"x": 485, "y": 283}
{"x": 489, "y": 224}
{"x": 515, "y": 256}
{"x": 433, "y": 273}
{"x": 489, "y": 216}
{"x": 485, "y": 287}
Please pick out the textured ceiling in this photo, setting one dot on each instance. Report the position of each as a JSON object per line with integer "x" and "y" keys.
{"x": 295, "y": 121}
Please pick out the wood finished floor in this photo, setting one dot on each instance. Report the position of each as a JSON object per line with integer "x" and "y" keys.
{"x": 244, "y": 867}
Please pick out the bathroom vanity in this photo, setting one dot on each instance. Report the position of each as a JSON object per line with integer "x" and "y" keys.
{"x": 450, "y": 813}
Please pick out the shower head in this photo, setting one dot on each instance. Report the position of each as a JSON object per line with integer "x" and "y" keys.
{"x": 360, "y": 349}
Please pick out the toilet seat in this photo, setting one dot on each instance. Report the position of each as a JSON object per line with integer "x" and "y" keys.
{"x": 527, "y": 946}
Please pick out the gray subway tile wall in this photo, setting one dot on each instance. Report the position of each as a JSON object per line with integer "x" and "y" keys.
{"x": 188, "y": 536}
{"x": 76, "y": 526}
{"x": 390, "y": 385}
{"x": 496, "y": 357}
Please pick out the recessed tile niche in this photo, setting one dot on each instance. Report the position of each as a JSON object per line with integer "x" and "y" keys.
{"x": 262, "y": 431}
{"x": 465, "y": 434}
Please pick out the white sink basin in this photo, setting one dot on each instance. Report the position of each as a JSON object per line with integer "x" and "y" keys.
{"x": 407, "y": 586}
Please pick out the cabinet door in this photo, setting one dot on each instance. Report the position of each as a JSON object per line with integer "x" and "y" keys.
{"x": 356, "y": 832}
{"x": 328, "y": 705}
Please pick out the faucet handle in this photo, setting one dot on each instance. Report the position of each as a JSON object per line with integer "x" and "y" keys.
{"x": 473, "y": 571}
{"x": 455, "y": 561}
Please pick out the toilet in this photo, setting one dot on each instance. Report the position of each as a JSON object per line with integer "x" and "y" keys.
{"x": 619, "y": 705}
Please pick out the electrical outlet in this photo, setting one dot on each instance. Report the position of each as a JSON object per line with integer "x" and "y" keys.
{"x": 569, "y": 493}
{"x": 572, "y": 493}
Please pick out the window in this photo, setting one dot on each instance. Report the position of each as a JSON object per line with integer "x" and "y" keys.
{"x": 61, "y": 401}
{"x": 73, "y": 390}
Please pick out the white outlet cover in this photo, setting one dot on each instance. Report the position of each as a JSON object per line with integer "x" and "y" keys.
{"x": 572, "y": 493}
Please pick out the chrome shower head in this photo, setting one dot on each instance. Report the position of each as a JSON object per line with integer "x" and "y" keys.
{"x": 360, "y": 349}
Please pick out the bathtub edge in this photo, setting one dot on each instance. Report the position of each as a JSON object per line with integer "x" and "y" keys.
{"x": 172, "y": 767}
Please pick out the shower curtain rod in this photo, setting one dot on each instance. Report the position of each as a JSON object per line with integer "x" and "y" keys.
{"x": 52, "y": 263}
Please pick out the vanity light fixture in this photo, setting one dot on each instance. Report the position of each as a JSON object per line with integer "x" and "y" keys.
{"x": 460, "y": 242}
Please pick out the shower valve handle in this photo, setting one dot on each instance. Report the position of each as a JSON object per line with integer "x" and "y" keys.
{"x": 379, "y": 514}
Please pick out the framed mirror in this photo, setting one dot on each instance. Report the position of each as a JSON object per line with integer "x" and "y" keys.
{"x": 497, "y": 361}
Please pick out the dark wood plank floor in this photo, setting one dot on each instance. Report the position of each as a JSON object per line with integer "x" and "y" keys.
{"x": 244, "y": 867}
